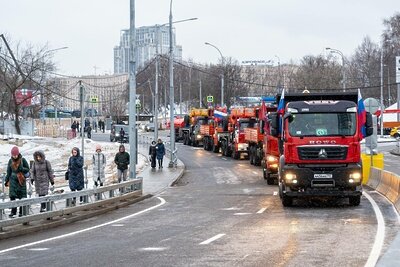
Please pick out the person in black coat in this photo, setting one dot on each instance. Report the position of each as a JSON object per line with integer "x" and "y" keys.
{"x": 160, "y": 148}
{"x": 76, "y": 179}
{"x": 152, "y": 154}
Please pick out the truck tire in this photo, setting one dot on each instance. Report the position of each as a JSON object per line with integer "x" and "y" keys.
{"x": 235, "y": 155}
{"x": 186, "y": 120}
{"x": 251, "y": 155}
{"x": 354, "y": 200}
{"x": 270, "y": 179}
{"x": 205, "y": 143}
{"x": 225, "y": 124}
{"x": 215, "y": 148}
{"x": 287, "y": 201}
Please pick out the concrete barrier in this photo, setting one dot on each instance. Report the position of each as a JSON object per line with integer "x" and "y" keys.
{"x": 375, "y": 178}
{"x": 393, "y": 192}
{"x": 384, "y": 185}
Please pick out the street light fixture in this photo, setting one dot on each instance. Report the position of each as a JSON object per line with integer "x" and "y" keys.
{"x": 222, "y": 75}
{"x": 332, "y": 50}
{"x": 157, "y": 71}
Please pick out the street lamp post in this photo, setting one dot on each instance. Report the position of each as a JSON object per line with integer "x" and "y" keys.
{"x": 172, "y": 163}
{"x": 279, "y": 71}
{"x": 132, "y": 93}
{"x": 382, "y": 107}
{"x": 332, "y": 50}
{"x": 222, "y": 75}
{"x": 157, "y": 73}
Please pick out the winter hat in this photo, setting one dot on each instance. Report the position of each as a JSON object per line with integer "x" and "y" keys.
{"x": 98, "y": 147}
{"x": 14, "y": 151}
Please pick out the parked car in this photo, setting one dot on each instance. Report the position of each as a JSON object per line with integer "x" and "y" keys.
{"x": 149, "y": 127}
{"x": 115, "y": 130}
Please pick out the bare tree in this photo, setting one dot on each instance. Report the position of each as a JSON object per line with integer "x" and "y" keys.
{"x": 24, "y": 66}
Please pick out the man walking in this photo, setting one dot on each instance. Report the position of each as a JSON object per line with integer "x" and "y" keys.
{"x": 122, "y": 161}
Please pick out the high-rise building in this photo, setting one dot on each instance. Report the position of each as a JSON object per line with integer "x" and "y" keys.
{"x": 146, "y": 43}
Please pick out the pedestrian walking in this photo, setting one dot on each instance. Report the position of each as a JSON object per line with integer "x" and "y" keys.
{"x": 122, "y": 135}
{"x": 99, "y": 165}
{"x": 41, "y": 174}
{"x": 89, "y": 132}
{"x": 77, "y": 126}
{"x": 153, "y": 154}
{"x": 122, "y": 161}
{"x": 75, "y": 172}
{"x": 73, "y": 128}
{"x": 17, "y": 172}
{"x": 160, "y": 148}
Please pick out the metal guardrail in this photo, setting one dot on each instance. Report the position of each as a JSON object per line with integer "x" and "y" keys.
{"x": 88, "y": 198}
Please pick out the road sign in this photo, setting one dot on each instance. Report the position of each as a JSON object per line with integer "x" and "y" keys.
{"x": 210, "y": 99}
{"x": 94, "y": 99}
{"x": 371, "y": 105}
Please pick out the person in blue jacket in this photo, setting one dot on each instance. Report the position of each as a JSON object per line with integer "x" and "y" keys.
{"x": 160, "y": 152}
{"x": 75, "y": 171}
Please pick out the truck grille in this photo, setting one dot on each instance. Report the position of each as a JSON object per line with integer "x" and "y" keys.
{"x": 322, "y": 152}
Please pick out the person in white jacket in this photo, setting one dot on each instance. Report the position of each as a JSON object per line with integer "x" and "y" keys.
{"x": 99, "y": 165}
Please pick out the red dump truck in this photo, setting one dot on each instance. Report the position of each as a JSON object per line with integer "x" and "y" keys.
{"x": 189, "y": 130}
{"x": 319, "y": 142}
{"x": 262, "y": 147}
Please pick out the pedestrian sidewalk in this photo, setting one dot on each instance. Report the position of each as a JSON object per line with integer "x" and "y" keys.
{"x": 156, "y": 180}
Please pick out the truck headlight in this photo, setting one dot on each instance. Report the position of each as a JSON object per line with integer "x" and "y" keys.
{"x": 354, "y": 177}
{"x": 271, "y": 159}
{"x": 290, "y": 177}
{"x": 198, "y": 136}
{"x": 242, "y": 146}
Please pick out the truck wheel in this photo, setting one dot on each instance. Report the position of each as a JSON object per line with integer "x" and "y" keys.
{"x": 270, "y": 180}
{"x": 215, "y": 148}
{"x": 205, "y": 144}
{"x": 251, "y": 156}
{"x": 235, "y": 155}
{"x": 287, "y": 201}
{"x": 355, "y": 201}
{"x": 185, "y": 139}
{"x": 265, "y": 174}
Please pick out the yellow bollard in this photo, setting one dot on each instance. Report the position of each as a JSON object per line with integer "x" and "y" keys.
{"x": 377, "y": 162}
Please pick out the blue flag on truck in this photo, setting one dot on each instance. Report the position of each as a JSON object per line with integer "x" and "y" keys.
{"x": 281, "y": 110}
{"x": 361, "y": 114}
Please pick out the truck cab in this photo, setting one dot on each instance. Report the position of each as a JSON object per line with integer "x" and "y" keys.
{"x": 320, "y": 147}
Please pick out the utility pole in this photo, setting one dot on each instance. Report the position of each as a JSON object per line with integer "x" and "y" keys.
{"x": 382, "y": 106}
{"x": 200, "y": 93}
{"x": 180, "y": 97}
{"x": 82, "y": 98}
{"x": 172, "y": 163}
{"x": 156, "y": 87}
{"x": 132, "y": 94}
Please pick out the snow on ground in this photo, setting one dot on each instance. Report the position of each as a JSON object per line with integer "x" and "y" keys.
{"x": 58, "y": 150}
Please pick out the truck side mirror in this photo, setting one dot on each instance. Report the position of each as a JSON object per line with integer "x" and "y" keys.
{"x": 274, "y": 120}
{"x": 369, "y": 126}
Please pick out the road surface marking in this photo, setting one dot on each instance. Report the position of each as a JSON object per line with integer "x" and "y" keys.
{"x": 241, "y": 213}
{"x": 380, "y": 233}
{"x": 261, "y": 210}
{"x": 224, "y": 158}
{"x": 212, "y": 239}
{"x": 275, "y": 193}
{"x": 233, "y": 208}
{"x": 153, "y": 249}
{"x": 255, "y": 172}
{"x": 38, "y": 249}
{"x": 84, "y": 230}
{"x": 117, "y": 225}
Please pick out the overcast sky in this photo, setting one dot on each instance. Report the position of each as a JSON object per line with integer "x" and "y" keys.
{"x": 244, "y": 30}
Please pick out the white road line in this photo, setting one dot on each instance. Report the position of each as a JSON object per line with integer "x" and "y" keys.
{"x": 208, "y": 241}
{"x": 380, "y": 233}
{"x": 242, "y": 213}
{"x": 38, "y": 249}
{"x": 261, "y": 210}
{"x": 224, "y": 159}
{"x": 255, "y": 172}
{"x": 153, "y": 249}
{"x": 84, "y": 230}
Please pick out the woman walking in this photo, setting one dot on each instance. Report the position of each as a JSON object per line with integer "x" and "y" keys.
{"x": 99, "y": 165}
{"x": 17, "y": 169}
{"x": 75, "y": 171}
{"x": 153, "y": 154}
{"x": 160, "y": 148}
{"x": 42, "y": 174}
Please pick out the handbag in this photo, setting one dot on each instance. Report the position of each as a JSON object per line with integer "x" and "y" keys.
{"x": 67, "y": 175}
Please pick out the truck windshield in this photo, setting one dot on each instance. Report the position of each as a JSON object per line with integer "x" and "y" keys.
{"x": 322, "y": 124}
{"x": 246, "y": 124}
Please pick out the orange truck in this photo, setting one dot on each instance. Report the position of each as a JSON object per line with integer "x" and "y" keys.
{"x": 262, "y": 147}
{"x": 190, "y": 129}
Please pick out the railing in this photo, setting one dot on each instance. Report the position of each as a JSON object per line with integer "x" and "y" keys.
{"x": 66, "y": 203}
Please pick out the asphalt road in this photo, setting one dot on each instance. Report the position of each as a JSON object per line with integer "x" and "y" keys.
{"x": 222, "y": 213}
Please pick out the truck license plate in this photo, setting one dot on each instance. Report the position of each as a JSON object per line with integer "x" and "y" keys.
{"x": 323, "y": 175}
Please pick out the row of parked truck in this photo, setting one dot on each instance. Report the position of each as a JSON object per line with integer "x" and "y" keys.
{"x": 308, "y": 143}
